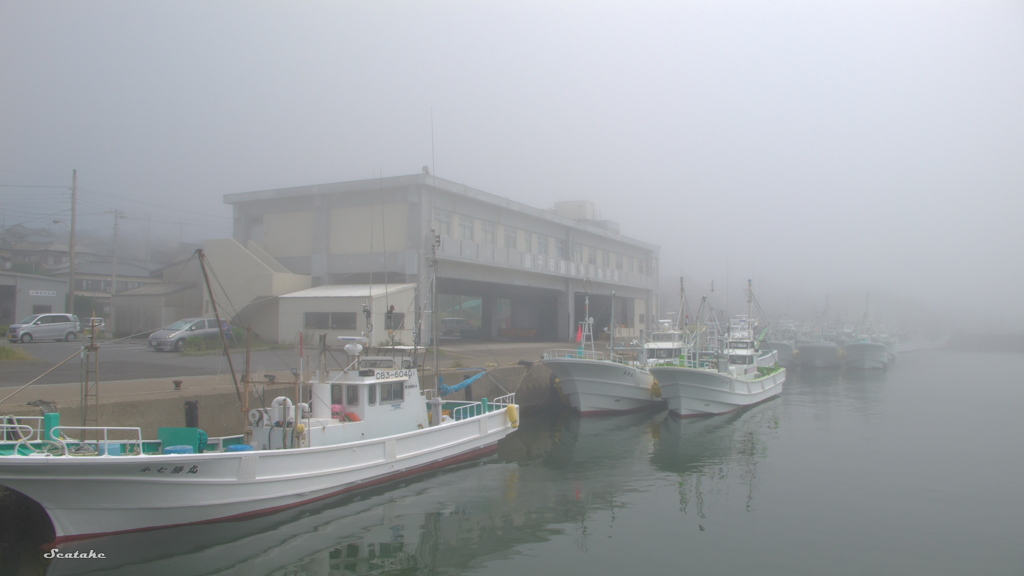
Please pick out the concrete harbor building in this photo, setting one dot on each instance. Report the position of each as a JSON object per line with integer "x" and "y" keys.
{"x": 499, "y": 269}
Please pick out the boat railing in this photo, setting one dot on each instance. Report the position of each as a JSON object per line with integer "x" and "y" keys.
{"x": 107, "y": 446}
{"x": 221, "y": 443}
{"x": 579, "y": 353}
{"x": 15, "y": 428}
{"x": 460, "y": 410}
{"x": 504, "y": 401}
{"x": 684, "y": 362}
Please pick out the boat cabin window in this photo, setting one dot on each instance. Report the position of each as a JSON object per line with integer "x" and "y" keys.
{"x": 365, "y": 363}
{"x": 740, "y": 359}
{"x": 347, "y": 395}
{"x": 392, "y": 391}
{"x": 372, "y": 400}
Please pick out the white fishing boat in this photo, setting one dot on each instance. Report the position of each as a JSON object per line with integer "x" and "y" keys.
{"x": 595, "y": 382}
{"x": 704, "y": 389}
{"x": 694, "y": 387}
{"x": 665, "y": 344}
{"x": 366, "y": 424}
{"x": 378, "y": 530}
{"x": 743, "y": 332}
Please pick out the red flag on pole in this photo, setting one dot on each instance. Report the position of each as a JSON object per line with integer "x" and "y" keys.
{"x": 579, "y": 334}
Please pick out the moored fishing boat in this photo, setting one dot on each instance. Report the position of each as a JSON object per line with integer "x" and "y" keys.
{"x": 865, "y": 354}
{"x": 365, "y": 424}
{"x": 704, "y": 389}
{"x": 694, "y": 387}
{"x": 783, "y": 343}
{"x": 743, "y": 336}
{"x": 819, "y": 354}
{"x": 593, "y": 382}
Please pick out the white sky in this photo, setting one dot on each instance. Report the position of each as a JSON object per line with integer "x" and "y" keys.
{"x": 823, "y": 148}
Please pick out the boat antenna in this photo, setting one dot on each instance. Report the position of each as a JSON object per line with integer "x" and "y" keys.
{"x": 384, "y": 247}
{"x": 611, "y": 326}
{"x": 216, "y": 315}
{"x": 682, "y": 300}
{"x": 434, "y": 245}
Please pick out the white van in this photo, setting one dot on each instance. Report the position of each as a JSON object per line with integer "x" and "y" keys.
{"x": 45, "y": 327}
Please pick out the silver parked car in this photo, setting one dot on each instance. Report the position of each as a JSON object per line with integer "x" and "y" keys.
{"x": 45, "y": 327}
{"x": 173, "y": 337}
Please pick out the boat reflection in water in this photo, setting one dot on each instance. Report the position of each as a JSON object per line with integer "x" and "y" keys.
{"x": 706, "y": 452}
{"x": 386, "y": 528}
{"x": 558, "y": 475}
{"x": 560, "y": 478}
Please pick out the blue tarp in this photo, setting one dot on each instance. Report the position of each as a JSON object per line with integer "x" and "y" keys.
{"x": 446, "y": 390}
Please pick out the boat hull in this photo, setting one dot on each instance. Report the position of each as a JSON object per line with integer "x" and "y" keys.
{"x": 601, "y": 387}
{"x": 866, "y": 356}
{"x": 699, "y": 392}
{"x": 89, "y": 497}
{"x": 785, "y": 353}
{"x": 819, "y": 355}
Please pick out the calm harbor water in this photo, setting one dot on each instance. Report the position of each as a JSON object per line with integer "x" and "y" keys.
{"x": 911, "y": 471}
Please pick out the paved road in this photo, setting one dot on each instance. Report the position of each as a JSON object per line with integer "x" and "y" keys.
{"x": 131, "y": 360}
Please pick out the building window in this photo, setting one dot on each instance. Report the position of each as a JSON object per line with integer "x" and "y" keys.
{"x": 618, "y": 262}
{"x": 329, "y": 320}
{"x": 542, "y": 245}
{"x": 317, "y": 320}
{"x": 392, "y": 391}
{"x": 511, "y": 238}
{"x": 560, "y": 249}
{"x": 640, "y": 266}
{"x": 442, "y": 223}
{"x": 605, "y": 258}
{"x": 528, "y": 242}
{"x": 592, "y": 256}
{"x": 343, "y": 320}
{"x": 577, "y": 254}
{"x": 487, "y": 229}
{"x": 466, "y": 227}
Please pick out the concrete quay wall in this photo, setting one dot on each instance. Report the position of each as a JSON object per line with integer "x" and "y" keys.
{"x": 155, "y": 403}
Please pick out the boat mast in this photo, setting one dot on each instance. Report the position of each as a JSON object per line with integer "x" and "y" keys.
{"x": 682, "y": 299}
{"x": 611, "y": 331}
{"x": 435, "y": 243}
{"x": 216, "y": 315}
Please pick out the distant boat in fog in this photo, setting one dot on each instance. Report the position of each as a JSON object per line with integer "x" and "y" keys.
{"x": 865, "y": 354}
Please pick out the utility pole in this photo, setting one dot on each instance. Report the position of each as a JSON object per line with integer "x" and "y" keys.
{"x": 118, "y": 215}
{"x": 71, "y": 243}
